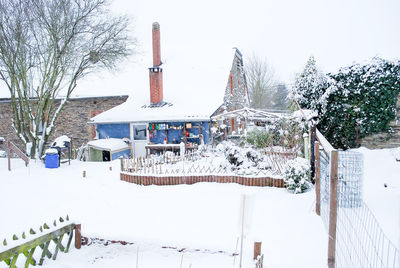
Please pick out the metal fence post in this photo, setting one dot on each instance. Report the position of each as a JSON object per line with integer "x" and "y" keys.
{"x": 317, "y": 180}
{"x": 333, "y": 208}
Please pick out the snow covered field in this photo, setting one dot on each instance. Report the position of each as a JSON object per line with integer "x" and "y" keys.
{"x": 203, "y": 218}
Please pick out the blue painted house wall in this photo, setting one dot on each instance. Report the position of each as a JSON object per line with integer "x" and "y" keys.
{"x": 122, "y": 130}
{"x": 118, "y": 131}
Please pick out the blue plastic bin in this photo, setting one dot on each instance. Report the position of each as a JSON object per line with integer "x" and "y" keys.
{"x": 51, "y": 161}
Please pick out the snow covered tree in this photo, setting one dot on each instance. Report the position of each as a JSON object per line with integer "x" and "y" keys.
{"x": 309, "y": 86}
{"x": 47, "y": 46}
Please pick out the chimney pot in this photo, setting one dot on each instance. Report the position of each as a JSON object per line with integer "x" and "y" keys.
{"x": 156, "y": 26}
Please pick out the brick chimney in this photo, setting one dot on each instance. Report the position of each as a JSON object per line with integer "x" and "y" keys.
{"x": 155, "y": 72}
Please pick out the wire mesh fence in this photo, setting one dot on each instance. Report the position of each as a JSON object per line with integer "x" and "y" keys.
{"x": 360, "y": 241}
{"x": 324, "y": 162}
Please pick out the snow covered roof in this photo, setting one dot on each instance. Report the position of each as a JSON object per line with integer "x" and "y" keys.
{"x": 195, "y": 76}
{"x": 132, "y": 111}
{"x": 109, "y": 144}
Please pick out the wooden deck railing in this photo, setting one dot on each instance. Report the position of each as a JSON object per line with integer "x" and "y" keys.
{"x": 12, "y": 147}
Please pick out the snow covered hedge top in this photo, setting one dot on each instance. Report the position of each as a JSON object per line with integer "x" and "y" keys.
{"x": 357, "y": 101}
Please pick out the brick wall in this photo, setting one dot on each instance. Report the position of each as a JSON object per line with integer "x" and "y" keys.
{"x": 73, "y": 120}
{"x": 389, "y": 139}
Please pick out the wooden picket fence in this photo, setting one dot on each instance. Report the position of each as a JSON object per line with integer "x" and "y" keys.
{"x": 169, "y": 164}
{"x": 29, "y": 242}
{"x": 278, "y": 160}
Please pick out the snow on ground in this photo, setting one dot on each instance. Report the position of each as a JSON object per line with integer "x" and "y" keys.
{"x": 381, "y": 189}
{"x": 202, "y": 216}
{"x": 100, "y": 256}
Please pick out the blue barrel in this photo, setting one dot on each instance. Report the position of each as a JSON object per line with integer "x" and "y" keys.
{"x": 51, "y": 161}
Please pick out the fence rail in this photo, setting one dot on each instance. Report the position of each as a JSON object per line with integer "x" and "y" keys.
{"x": 355, "y": 237}
{"x": 12, "y": 147}
{"x": 48, "y": 238}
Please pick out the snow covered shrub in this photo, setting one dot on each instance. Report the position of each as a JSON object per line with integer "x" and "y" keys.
{"x": 285, "y": 132}
{"x": 241, "y": 160}
{"x": 297, "y": 175}
{"x": 360, "y": 101}
{"x": 259, "y": 139}
{"x": 355, "y": 102}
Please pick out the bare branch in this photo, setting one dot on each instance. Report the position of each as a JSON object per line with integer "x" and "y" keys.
{"x": 46, "y": 46}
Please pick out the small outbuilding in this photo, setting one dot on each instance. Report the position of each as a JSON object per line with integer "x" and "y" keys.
{"x": 108, "y": 149}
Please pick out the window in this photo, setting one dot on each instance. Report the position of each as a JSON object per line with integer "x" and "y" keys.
{"x": 139, "y": 132}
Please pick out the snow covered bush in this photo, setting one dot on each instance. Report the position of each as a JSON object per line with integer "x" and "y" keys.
{"x": 297, "y": 175}
{"x": 355, "y": 102}
{"x": 360, "y": 101}
{"x": 242, "y": 160}
{"x": 285, "y": 132}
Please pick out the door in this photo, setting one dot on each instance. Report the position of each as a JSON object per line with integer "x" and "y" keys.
{"x": 139, "y": 135}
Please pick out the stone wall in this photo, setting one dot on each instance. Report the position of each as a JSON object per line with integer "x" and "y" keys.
{"x": 73, "y": 120}
{"x": 390, "y": 139}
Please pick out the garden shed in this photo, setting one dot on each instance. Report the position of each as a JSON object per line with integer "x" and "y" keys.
{"x": 108, "y": 149}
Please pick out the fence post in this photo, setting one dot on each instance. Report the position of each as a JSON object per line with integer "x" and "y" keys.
{"x": 333, "y": 208}
{"x": 78, "y": 236}
{"x": 317, "y": 180}
{"x": 312, "y": 157}
{"x": 9, "y": 155}
{"x": 257, "y": 250}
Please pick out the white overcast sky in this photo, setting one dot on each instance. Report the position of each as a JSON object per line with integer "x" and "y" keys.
{"x": 285, "y": 32}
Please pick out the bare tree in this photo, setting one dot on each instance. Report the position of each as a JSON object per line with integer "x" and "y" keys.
{"x": 260, "y": 81}
{"x": 48, "y": 45}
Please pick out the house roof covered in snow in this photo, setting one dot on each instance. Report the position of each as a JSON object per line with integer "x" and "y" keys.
{"x": 195, "y": 76}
